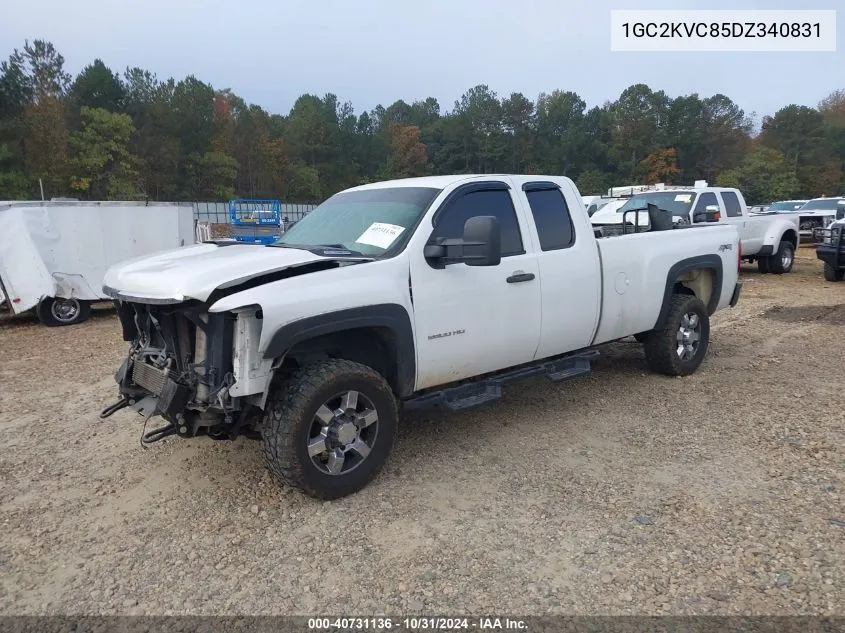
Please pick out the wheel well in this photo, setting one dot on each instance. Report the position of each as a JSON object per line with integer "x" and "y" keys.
{"x": 698, "y": 282}
{"x": 792, "y": 237}
{"x": 375, "y": 347}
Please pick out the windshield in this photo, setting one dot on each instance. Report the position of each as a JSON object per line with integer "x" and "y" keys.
{"x": 787, "y": 205}
{"x": 823, "y": 203}
{"x": 368, "y": 221}
{"x": 676, "y": 202}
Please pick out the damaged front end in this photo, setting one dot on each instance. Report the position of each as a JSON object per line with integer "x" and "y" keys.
{"x": 182, "y": 367}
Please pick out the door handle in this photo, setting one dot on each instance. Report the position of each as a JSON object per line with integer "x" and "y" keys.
{"x": 519, "y": 277}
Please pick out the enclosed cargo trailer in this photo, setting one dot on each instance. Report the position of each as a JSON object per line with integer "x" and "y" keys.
{"x": 53, "y": 255}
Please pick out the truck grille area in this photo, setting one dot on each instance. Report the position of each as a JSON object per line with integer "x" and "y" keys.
{"x": 194, "y": 349}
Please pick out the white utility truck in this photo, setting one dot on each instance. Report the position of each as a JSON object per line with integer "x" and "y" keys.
{"x": 53, "y": 255}
{"x": 415, "y": 292}
{"x": 770, "y": 239}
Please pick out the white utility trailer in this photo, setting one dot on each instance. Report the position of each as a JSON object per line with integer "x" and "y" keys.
{"x": 53, "y": 255}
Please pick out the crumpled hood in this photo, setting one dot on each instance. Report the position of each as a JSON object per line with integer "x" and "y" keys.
{"x": 194, "y": 272}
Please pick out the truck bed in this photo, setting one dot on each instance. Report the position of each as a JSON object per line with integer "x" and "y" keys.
{"x": 633, "y": 286}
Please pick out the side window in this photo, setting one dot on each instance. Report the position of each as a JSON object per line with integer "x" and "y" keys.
{"x": 491, "y": 202}
{"x": 705, "y": 200}
{"x": 551, "y": 215}
{"x": 732, "y": 206}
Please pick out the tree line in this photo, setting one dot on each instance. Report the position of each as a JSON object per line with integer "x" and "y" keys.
{"x": 104, "y": 135}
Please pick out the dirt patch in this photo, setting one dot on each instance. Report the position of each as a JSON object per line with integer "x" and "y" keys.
{"x": 833, "y": 315}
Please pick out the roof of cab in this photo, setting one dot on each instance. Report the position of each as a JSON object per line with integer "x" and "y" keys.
{"x": 441, "y": 182}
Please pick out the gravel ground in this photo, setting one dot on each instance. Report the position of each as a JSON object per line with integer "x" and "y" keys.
{"x": 623, "y": 492}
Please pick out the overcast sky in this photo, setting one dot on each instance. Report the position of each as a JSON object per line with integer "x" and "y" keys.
{"x": 376, "y": 51}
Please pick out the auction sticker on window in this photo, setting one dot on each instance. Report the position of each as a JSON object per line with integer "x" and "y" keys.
{"x": 683, "y": 197}
{"x": 380, "y": 234}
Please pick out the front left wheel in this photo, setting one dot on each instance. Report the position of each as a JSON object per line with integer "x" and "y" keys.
{"x": 329, "y": 428}
{"x": 832, "y": 273}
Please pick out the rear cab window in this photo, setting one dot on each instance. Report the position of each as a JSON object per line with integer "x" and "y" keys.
{"x": 732, "y": 206}
{"x": 551, "y": 215}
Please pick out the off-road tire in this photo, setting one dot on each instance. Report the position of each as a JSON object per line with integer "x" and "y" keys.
{"x": 662, "y": 344}
{"x": 763, "y": 265}
{"x": 289, "y": 413}
{"x": 832, "y": 273}
{"x": 44, "y": 312}
{"x": 776, "y": 261}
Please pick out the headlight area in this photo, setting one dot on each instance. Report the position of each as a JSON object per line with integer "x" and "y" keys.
{"x": 199, "y": 371}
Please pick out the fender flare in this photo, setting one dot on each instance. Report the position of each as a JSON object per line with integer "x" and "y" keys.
{"x": 387, "y": 315}
{"x": 774, "y": 236}
{"x": 707, "y": 262}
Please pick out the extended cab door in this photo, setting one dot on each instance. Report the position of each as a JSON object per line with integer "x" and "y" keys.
{"x": 570, "y": 271}
{"x": 470, "y": 320}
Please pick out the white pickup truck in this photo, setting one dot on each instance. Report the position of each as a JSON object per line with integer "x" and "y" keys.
{"x": 416, "y": 292}
{"x": 769, "y": 238}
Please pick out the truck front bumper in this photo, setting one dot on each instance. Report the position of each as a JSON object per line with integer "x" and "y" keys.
{"x": 830, "y": 246}
{"x": 831, "y": 254}
{"x": 737, "y": 291}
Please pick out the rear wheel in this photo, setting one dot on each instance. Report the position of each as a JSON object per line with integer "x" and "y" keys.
{"x": 678, "y": 348}
{"x": 781, "y": 262}
{"x": 831, "y": 273}
{"x": 55, "y": 311}
{"x": 329, "y": 429}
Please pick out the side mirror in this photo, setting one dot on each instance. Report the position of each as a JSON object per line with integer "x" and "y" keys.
{"x": 481, "y": 245}
{"x": 710, "y": 214}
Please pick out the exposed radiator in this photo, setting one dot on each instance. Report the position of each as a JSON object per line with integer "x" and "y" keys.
{"x": 149, "y": 377}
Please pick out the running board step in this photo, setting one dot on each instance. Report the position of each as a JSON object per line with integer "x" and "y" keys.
{"x": 487, "y": 390}
{"x": 569, "y": 368}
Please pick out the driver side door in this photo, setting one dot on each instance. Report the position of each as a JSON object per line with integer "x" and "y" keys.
{"x": 471, "y": 320}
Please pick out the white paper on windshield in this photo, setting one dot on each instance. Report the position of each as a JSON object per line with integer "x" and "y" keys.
{"x": 380, "y": 234}
{"x": 683, "y": 197}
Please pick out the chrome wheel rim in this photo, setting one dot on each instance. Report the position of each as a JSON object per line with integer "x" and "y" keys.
{"x": 689, "y": 336}
{"x": 64, "y": 310}
{"x": 343, "y": 433}
{"x": 786, "y": 258}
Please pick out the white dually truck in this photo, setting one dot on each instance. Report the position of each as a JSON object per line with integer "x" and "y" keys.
{"x": 769, "y": 238}
{"x": 406, "y": 293}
